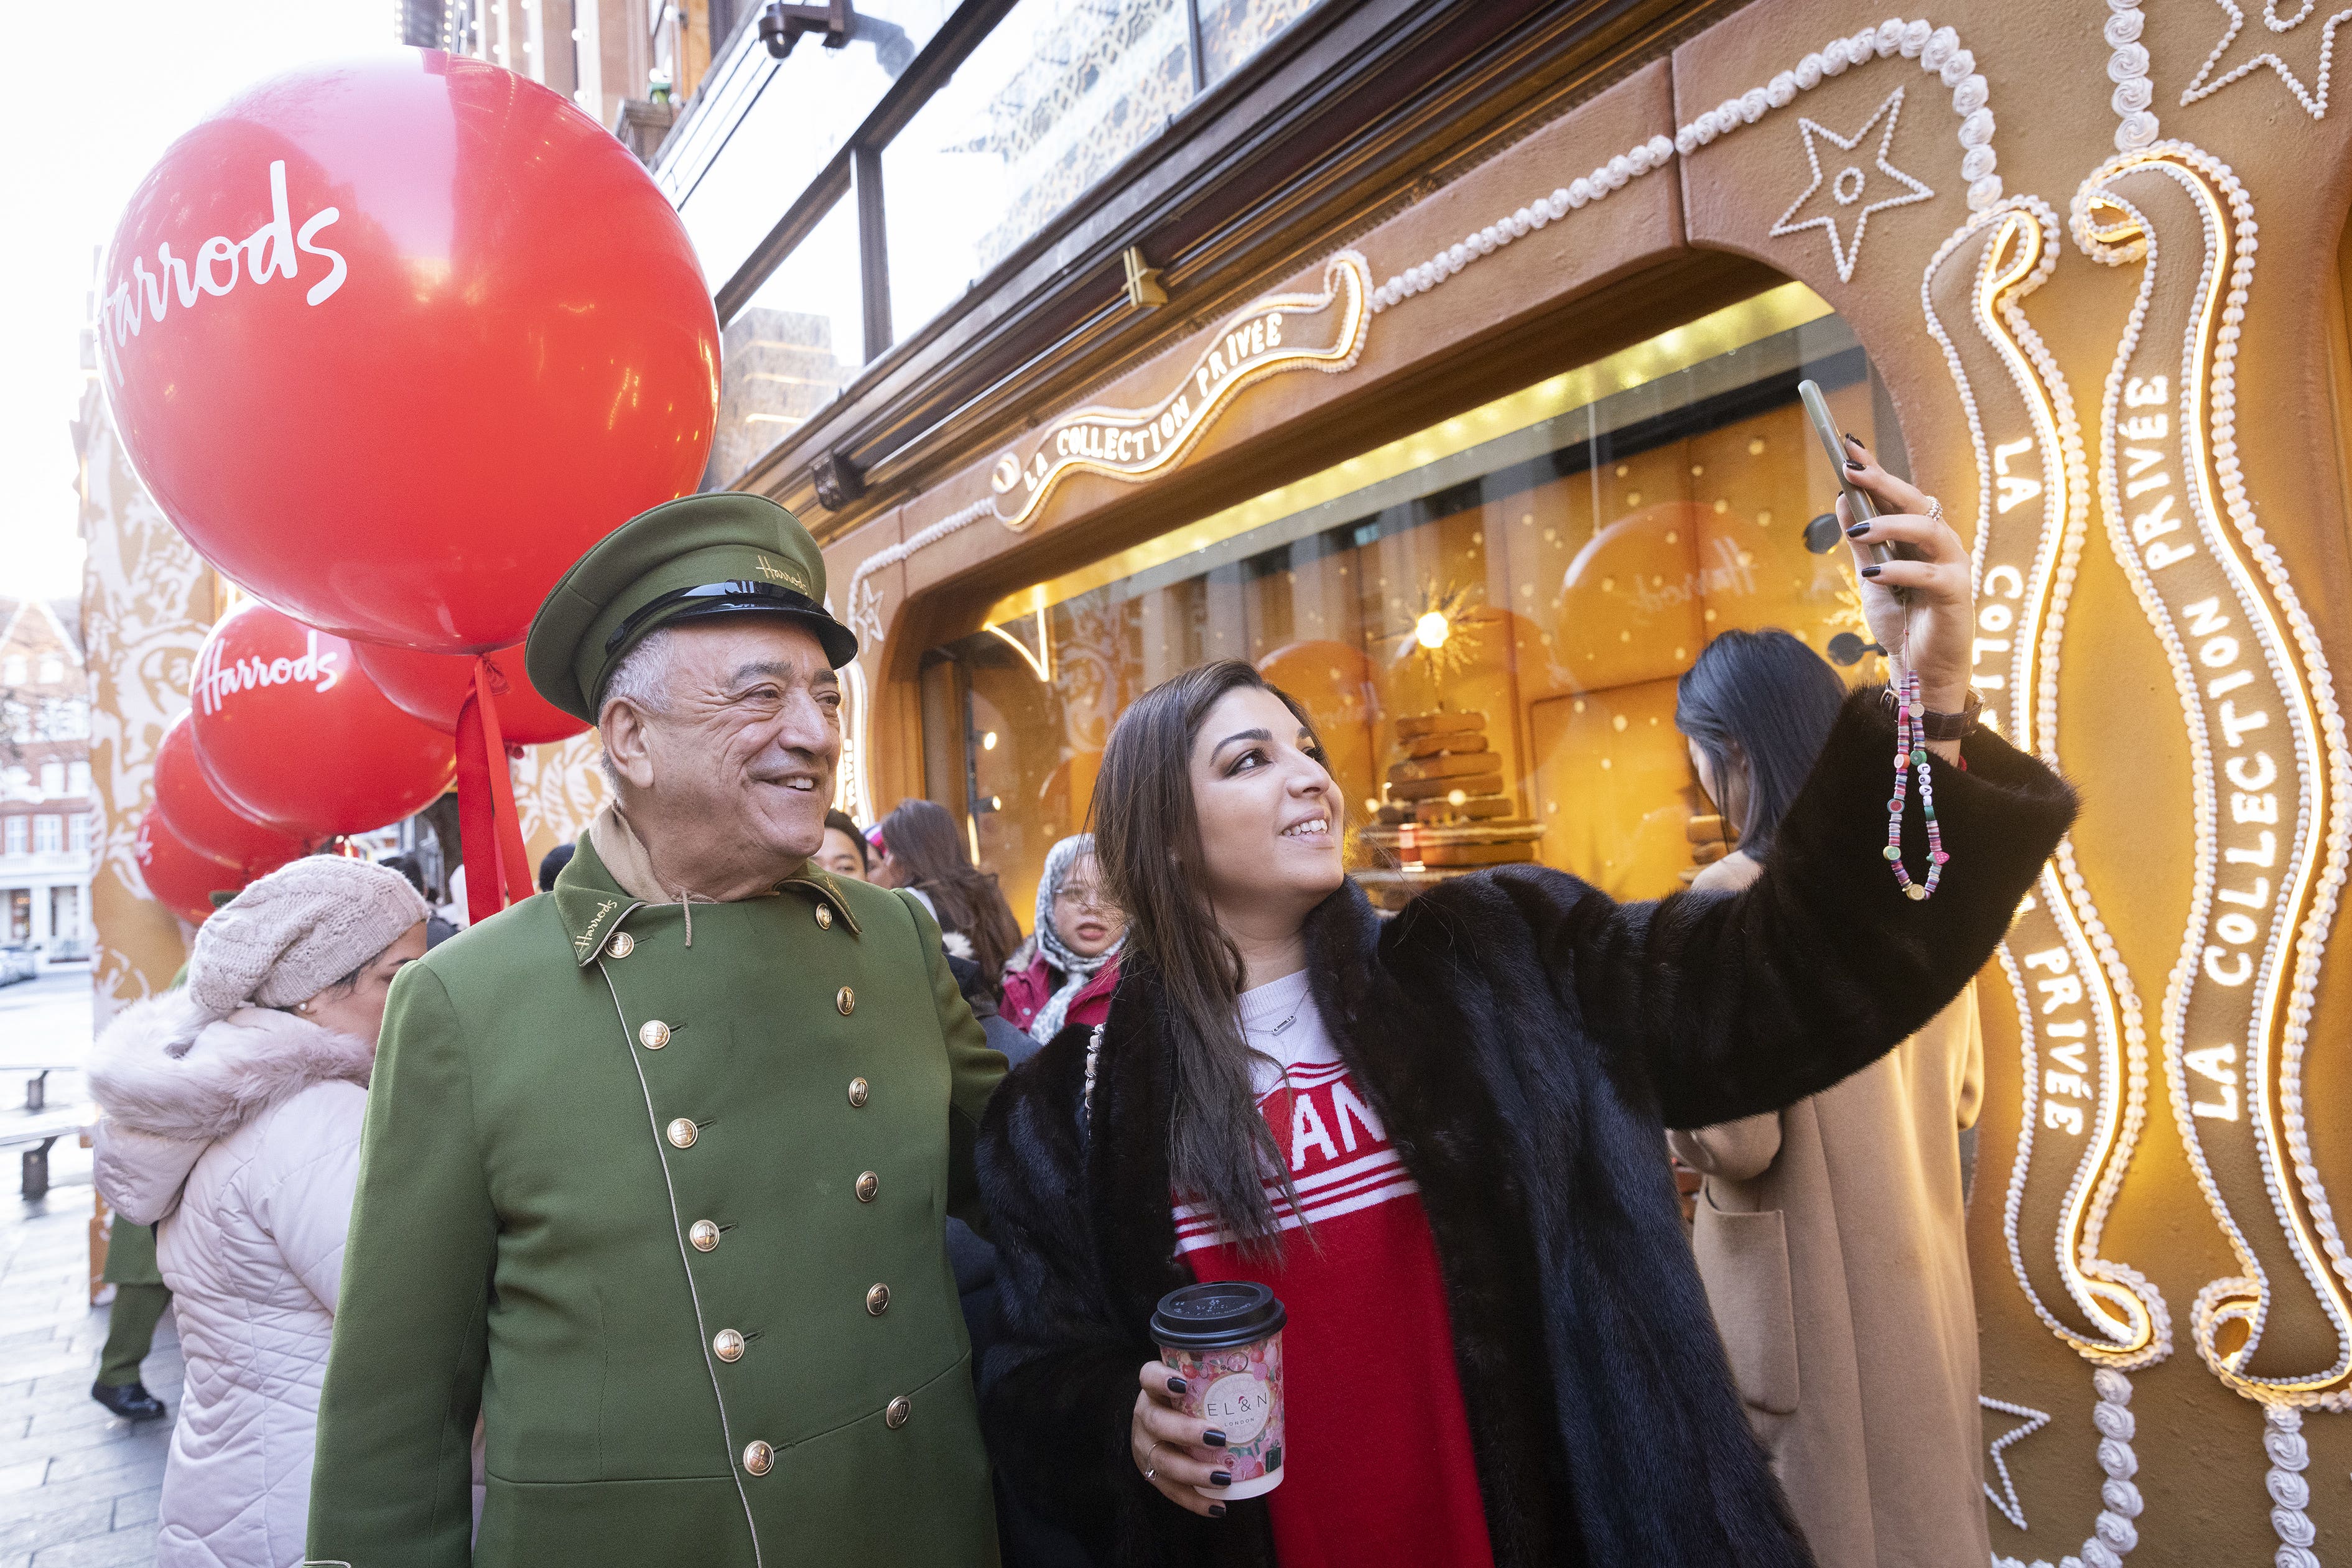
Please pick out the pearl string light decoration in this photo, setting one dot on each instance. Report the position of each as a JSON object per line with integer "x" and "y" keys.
{"x": 1938, "y": 50}
{"x": 2024, "y": 560}
{"x": 2136, "y": 124}
{"x": 2206, "y": 83}
{"x": 2114, "y": 1535}
{"x": 2220, "y": 1000}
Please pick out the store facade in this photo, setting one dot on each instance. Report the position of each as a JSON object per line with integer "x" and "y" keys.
{"x": 1440, "y": 360}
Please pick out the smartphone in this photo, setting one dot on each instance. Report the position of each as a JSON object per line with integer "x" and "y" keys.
{"x": 1858, "y": 501}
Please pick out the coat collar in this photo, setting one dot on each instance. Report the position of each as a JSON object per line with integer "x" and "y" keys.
{"x": 591, "y": 905}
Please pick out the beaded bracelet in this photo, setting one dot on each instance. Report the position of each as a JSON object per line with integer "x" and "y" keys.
{"x": 1910, "y": 753}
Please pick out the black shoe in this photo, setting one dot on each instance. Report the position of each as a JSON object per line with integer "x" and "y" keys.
{"x": 129, "y": 1400}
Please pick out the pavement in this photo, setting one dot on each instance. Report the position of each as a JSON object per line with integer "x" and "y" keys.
{"x": 78, "y": 1486}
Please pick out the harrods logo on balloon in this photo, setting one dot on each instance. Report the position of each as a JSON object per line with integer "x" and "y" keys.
{"x": 274, "y": 250}
{"x": 218, "y": 676}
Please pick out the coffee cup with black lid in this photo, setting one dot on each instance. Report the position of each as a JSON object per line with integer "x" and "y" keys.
{"x": 1224, "y": 1339}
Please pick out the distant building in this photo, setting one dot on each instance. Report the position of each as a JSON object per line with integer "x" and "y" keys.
{"x": 45, "y": 794}
{"x": 601, "y": 54}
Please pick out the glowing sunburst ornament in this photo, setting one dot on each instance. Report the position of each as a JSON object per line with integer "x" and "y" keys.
{"x": 1443, "y": 638}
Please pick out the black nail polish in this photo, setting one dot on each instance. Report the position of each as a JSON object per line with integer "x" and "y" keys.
{"x": 1852, "y": 439}
{"x": 1870, "y": 572}
{"x": 1214, "y": 1438}
{"x": 1221, "y": 1478}
{"x": 1854, "y": 462}
{"x": 1216, "y": 1511}
{"x": 1176, "y": 1385}
{"x": 1856, "y": 531}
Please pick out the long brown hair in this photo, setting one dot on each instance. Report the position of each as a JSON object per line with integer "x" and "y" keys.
{"x": 922, "y": 838}
{"x": 1148, "y": 843}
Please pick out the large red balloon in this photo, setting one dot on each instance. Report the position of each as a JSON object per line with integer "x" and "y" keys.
{"x": 291, "y": 729}
{"x": 207, "y": 824}
{"x": 434, "y": 686}
{"x": 393, "y": 341}
{"x": 177, "y": 876}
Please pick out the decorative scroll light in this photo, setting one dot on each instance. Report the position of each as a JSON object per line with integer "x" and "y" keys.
{"x": 2084, "y": 1090}
{"x": 1280, "y": 332}
{"x": 2271, "y": 777}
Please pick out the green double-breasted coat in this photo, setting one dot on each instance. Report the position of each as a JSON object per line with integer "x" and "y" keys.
{"x": 670, "y": 1218}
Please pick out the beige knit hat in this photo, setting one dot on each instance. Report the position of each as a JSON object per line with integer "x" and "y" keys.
{"x": 292, "y": 934}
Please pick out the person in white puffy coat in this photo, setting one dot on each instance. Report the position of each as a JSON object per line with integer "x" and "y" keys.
{"x": 232, "y": 1117}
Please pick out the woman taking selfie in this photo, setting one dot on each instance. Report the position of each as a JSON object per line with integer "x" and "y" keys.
{"x": 1832, "y": 1236}
{"x": 1497, "y": 1350}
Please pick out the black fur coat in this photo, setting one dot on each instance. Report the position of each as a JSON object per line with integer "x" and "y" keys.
{"x": 1526, "y": 1039}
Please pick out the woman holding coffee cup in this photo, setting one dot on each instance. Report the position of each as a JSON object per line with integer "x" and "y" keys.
{"x": 1434, "y": 1141}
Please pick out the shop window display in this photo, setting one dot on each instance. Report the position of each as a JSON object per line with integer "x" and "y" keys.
{"x": 1487, "y": 620}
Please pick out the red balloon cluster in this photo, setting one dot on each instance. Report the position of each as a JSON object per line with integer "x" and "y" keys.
{"x": 393, "y": 342}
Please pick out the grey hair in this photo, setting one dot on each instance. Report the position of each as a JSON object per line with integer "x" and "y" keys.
{"x": 642, "y": 680}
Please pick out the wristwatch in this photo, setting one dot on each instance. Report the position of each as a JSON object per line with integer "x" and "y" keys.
{"x": 1953, "y": 725}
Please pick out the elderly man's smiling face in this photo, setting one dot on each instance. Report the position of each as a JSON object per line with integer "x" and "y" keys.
{"x": 728, "y": 775}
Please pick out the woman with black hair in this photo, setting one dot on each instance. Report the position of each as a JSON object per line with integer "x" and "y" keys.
{"x": 1755, "y": 710}
{"x": 1831, "y": 1235}
{"x": 1437, "y": 1136}
{"x": 923, "y": 853}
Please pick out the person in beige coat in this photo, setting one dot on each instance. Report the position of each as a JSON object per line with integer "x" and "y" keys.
{"x": 1830, "y": 1236}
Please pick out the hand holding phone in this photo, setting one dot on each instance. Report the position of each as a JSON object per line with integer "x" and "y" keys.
{"x": 1859, "y": 504}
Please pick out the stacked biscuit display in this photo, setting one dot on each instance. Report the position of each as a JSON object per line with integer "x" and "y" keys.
{"x": 1447, "y": 784}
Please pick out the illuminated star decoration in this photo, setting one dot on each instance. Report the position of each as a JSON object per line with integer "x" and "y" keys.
{"x": 2274, "y": 26}
{"x": 1438, "y": 636}
{"x": 1851, "y": 183}
{"x": 2030, "y": 1421}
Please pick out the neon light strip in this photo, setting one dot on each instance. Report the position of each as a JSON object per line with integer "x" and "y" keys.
{"x": 2129, "y": 1312}
{"x": 2206, "y": 441}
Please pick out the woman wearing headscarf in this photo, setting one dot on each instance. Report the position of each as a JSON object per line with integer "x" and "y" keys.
{"x": 1832, "y": 1236}
{"x": 232, "y": 1114}
{"x": 1065, "y": 972}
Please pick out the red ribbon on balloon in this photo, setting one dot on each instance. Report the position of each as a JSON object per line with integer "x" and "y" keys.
{"x": 498, "y": 867}
{"x": 487, "y": 710}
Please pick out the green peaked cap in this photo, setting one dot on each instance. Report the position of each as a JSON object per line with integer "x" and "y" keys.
{"x": 723, "y": 553}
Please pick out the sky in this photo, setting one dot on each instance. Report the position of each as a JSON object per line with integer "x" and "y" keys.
{"x": 102, "y": 91}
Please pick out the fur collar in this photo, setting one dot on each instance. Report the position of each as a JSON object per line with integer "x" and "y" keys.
{"x": 239, "y": 1067}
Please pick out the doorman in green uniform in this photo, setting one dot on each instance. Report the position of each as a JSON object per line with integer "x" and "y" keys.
{"x": 657, "y": 1165}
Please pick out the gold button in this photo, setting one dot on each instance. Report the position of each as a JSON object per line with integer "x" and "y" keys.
{"x": 623, "y": 946}
{"x": 877, "y": 1300}
{"x": 824, "y": 918}
{"x": 758, "y": 1457}
{"x": 727, "y": 1346}
{"x": 655, "y": 1035}
{"x": 846, "y": 1001}
{"x": 895, "y": 1415}
{"x": 857, "y": 1092}
{"x": 703, "y": 1234}
{"x": 681, "y": 1133}
{"x": 867, "y": 1186}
